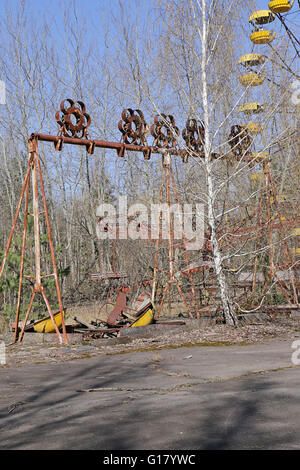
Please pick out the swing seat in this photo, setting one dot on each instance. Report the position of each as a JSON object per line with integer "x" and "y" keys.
{"x": 144, "y": 313}
{"x": 141, "y": 316}
{"x": 108, "y": 275}
{"x": 145, "y": 318}
{"x": 45, "y": 325}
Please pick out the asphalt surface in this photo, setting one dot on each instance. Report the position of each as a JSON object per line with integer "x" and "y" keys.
{"x": 235, "y": 397}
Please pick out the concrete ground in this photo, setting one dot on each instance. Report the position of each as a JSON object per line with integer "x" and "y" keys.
{"x": 233, "y": 397}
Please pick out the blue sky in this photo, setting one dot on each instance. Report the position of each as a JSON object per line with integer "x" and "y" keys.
{"x": 95, "y": 13}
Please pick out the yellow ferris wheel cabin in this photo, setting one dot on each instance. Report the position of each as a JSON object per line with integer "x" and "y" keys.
{"x": 257, "y": 177}
{"x": 261, "y": 17}
{"x": 254, "y": 128}
{"x": 281, "y": 6}
{"x": 262, "y": 36}
{"x": 252, "y": 60}
{"x": 279, "y": 198}
{"x": 252, "y": 79}
{"x": 295, "y": 232}
{"x": 259, "y": 156}
{"x": 251, "y": 108}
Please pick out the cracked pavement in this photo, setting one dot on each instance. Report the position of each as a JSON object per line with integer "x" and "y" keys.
{"x": 233, "y": 397}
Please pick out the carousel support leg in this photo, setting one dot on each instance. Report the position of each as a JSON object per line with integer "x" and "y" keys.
{"x": 51, "y": 248}
{"x": 184, "y": 300}
{"x": 51, "y": 315}
{"x": 22, "y": 264}
{"x": 162, "y": 301}
{"x": 27, "y": 315}
{"x": 185, "y": 249}
{"x": 16, "y": 217}
{"x": 154, "y": 283}
{"x": 254, "y": 281}
{"x": 169, "y": 300}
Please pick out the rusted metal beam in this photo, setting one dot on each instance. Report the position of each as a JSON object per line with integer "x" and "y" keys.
{"x": 118, "y": 146}
{"x": 22, "y": 262}
{"x": 16, "y": 216}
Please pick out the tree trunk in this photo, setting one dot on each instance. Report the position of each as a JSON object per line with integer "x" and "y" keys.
{"x": 228, "y": 311}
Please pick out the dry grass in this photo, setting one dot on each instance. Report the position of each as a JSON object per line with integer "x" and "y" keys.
{"x": 87, "y": 312}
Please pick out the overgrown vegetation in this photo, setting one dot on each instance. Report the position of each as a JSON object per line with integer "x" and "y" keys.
{"x": 176, "y": 57}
